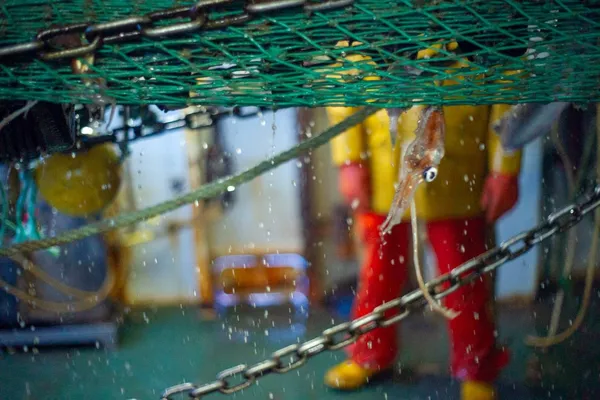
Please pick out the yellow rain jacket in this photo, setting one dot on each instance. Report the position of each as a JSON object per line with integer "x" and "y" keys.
{"x": 472, "y": 151}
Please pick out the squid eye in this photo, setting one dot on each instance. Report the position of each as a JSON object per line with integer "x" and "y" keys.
{"x": 430, "y": 174}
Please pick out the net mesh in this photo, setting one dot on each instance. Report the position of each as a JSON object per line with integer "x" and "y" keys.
{"x": 287, "y": 58}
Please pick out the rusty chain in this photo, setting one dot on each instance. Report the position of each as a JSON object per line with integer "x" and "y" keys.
{"x": 344, "y": 334}
{"x": 152, "y": 25}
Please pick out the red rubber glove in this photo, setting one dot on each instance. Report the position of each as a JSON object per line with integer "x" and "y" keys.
{"x": 500, "y": 194}
{"x": 354, "y": 185}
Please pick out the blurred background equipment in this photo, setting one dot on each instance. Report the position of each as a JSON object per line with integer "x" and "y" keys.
{"x": 92, "y": 180}
{"x": 64, "y": 293}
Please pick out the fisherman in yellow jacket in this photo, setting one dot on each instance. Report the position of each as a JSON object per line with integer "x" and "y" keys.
{"x": 477, "y": 183}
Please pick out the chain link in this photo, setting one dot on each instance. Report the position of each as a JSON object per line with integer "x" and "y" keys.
{"x": 398, "y": 309}
{"x": 153, "y": 25}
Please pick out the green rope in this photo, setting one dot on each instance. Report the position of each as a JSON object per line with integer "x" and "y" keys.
{"x": 204, "y": 192}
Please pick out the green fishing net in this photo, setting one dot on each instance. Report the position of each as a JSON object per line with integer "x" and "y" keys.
{"x": 287, "y": 57}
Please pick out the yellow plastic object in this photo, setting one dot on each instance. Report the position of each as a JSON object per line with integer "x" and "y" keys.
{"x": 348, "y": 376}
{"x": 434, "y": 50}
{"x": 80, "y": 184}
{"x": 474, "y": 390}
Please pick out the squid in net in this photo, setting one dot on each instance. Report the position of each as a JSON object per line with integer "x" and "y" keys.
{"x": 420, "y": 163}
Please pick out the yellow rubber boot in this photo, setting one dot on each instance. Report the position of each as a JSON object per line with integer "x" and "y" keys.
{"x": 473, "y": 390}
{"x": 348, "y": 376}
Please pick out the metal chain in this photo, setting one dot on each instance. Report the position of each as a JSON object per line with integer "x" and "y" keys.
{"x": 152, "y": 26}
{"x": 393, "y": 311}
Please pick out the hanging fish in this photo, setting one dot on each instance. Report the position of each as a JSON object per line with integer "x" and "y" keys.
{"x": 524, "y": 123}
{"x": 419, "y": 164}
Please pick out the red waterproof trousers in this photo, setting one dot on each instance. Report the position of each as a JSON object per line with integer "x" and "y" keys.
{"x": 474, "y": 355}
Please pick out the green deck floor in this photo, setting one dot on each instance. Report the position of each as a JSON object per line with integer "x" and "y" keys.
{"x": 161, "y": 347}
